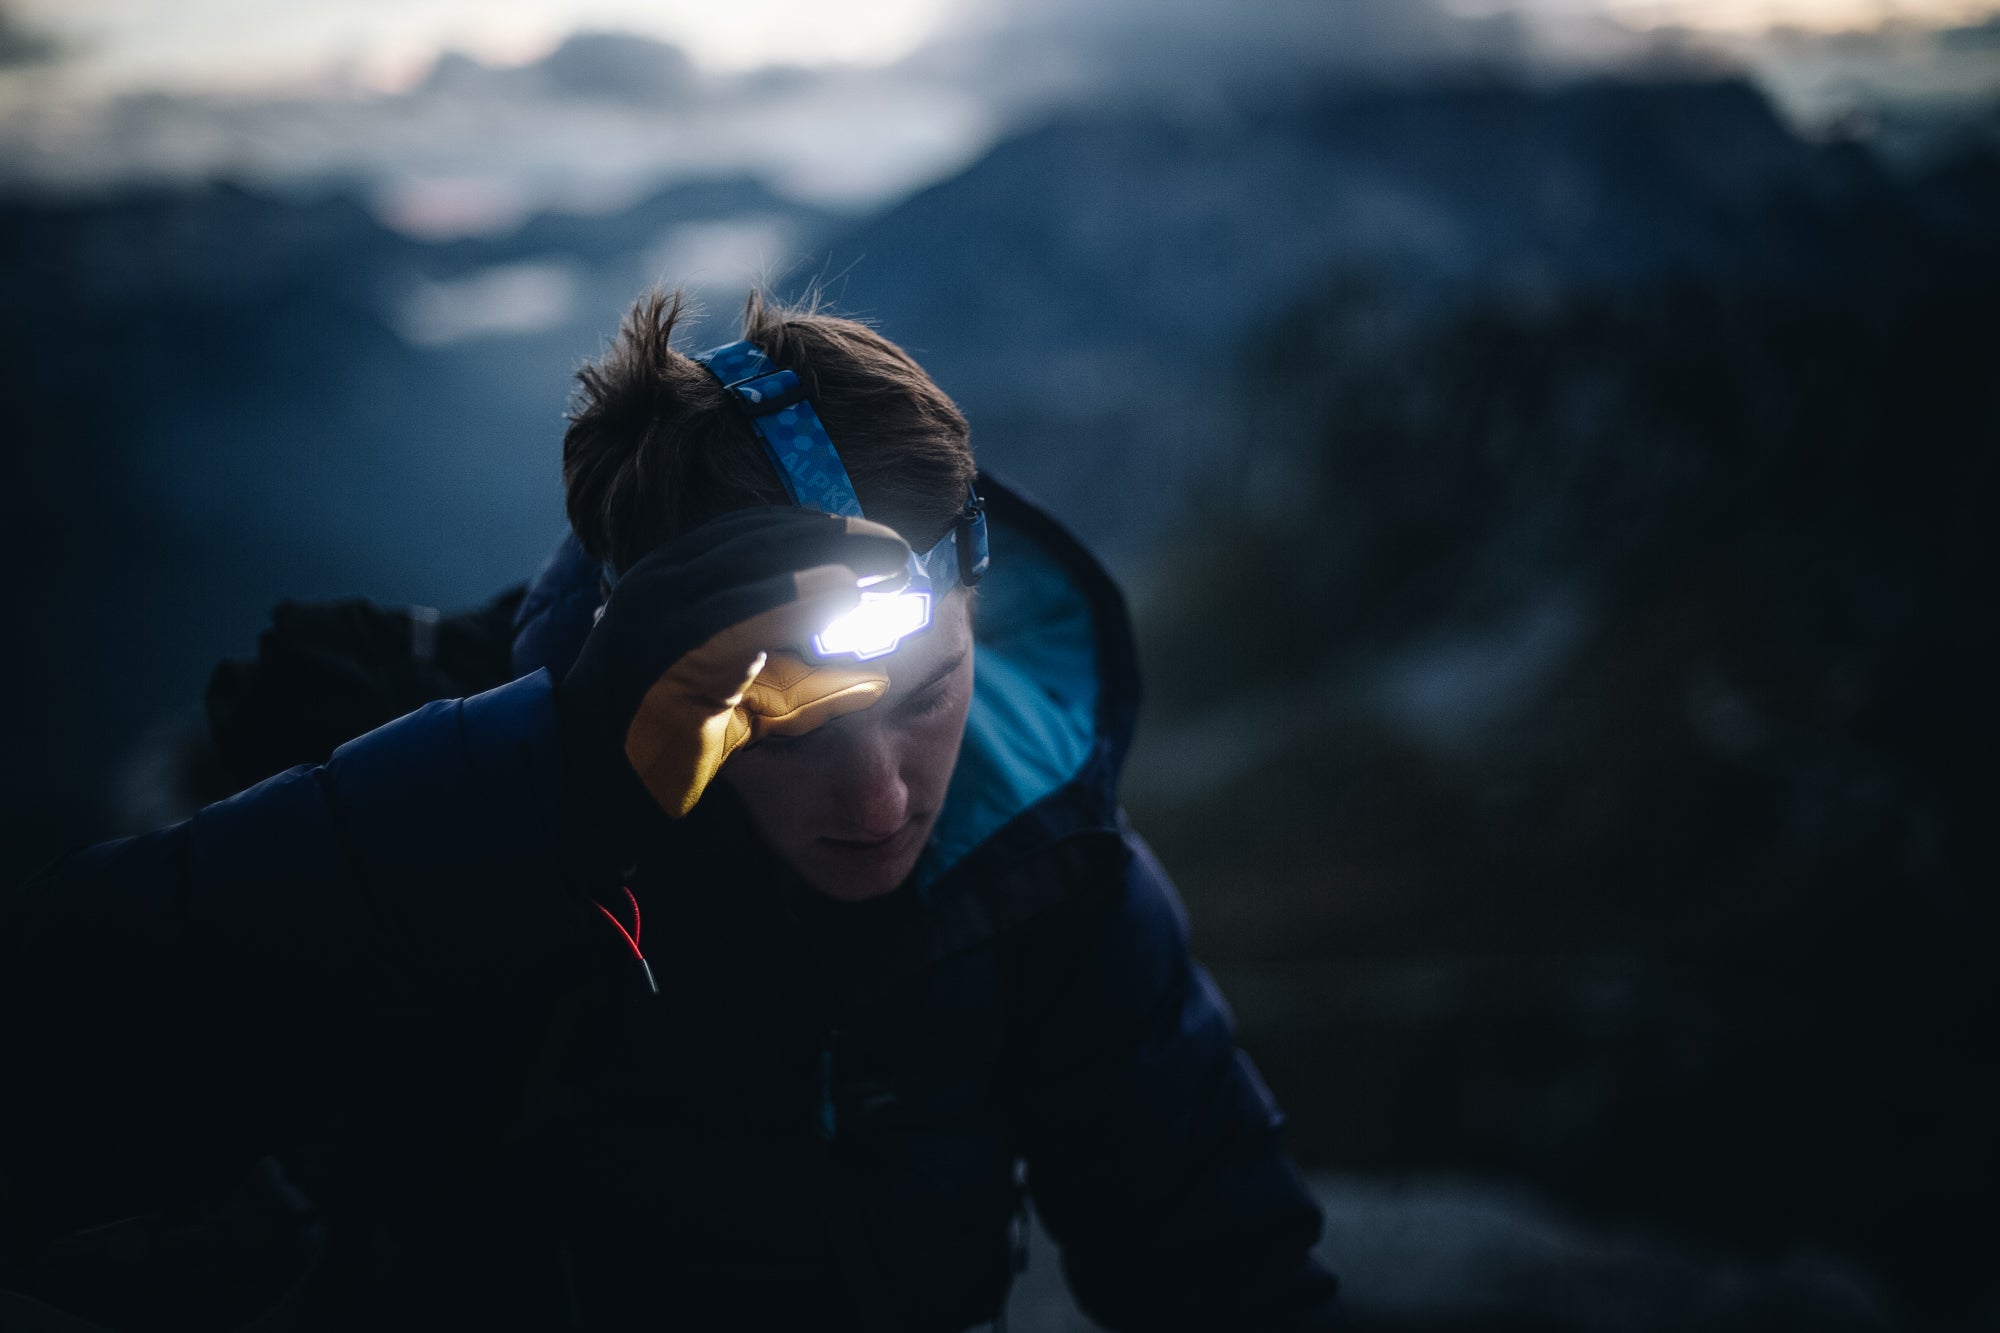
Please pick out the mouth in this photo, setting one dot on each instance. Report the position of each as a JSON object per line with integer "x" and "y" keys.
{"x": 882, "y": 848}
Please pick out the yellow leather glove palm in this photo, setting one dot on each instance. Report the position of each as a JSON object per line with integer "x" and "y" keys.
{"x": 688, "y": 661}
{"x": 714, "y": 701}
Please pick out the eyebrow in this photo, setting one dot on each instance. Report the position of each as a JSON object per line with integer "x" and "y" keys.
{"x": 942, "y": 672}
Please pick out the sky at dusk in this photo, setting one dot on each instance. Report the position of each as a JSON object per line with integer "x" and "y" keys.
{"x": 210, "y": 45}
{"x": 461, "y": 115}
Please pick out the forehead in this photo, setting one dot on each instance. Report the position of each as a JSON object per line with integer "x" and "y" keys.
{"x": 918, "y": 660}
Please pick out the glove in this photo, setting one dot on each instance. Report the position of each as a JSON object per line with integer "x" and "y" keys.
{"x": 686, "y": 663}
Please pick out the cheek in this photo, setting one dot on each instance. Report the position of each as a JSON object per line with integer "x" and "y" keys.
{"x": 933, "y": 744}
{"x": 778, "y": 794}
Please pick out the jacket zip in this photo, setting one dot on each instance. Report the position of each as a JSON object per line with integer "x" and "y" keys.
{"x": 828, "y": 1116}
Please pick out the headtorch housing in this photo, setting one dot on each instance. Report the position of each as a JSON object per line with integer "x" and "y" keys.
{"x": 811, "y": 470}
{"x": 883, "y": 620}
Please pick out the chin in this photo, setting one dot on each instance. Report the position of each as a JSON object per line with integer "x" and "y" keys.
{"x": 854, "y": 884}
{"x": 853, "y": 890}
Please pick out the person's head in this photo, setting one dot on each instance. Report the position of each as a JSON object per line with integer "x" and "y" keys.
{"x": 656, "y": 447}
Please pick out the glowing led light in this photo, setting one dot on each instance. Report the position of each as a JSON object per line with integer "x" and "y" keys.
{"x": 874, "y": 628}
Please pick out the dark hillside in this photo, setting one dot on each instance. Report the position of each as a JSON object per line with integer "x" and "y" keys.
{"x": 1610, "y": 803}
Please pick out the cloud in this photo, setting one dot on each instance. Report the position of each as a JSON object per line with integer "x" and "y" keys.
{"x": 601, "y": 121}
{"x": 1913, "y": 90}
{"x": 1973, "y": 37}
{"x": 620, "y": 68}
{"x": 605, "y": 118}
{"x": 728, "y": 256}
{"x": 1028, "y": 51}
{"x": 588, "y": 66}
{"x": 507, "y": 299}
{"x": 1903, "y": 71}
{"x": 21, "y": 46}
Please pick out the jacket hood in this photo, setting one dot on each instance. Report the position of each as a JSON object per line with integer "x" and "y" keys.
{"x": 1055, "y": 684}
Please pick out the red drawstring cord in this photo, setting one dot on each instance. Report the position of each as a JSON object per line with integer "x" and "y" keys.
{"x": 631, "y": 936}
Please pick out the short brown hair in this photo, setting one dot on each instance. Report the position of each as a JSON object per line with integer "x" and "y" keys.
{"x": 656, "y": 446}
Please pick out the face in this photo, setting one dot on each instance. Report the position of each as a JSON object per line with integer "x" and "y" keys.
{"x": 851, "y": 804}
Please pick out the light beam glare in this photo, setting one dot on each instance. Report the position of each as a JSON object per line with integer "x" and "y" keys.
{"x": 874, "y": 628}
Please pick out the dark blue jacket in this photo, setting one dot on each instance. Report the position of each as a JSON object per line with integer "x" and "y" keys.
{"x": 816, "y": 1122}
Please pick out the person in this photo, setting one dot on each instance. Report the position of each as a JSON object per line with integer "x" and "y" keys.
{"x": 691, "y": 978}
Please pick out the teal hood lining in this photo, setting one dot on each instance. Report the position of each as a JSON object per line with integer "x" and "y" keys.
{"x": 1036, "y": 680}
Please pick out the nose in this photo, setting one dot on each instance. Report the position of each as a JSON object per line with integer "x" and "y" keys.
{"x": 871, "y": 800}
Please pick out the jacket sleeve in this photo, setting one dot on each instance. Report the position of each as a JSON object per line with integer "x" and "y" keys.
{"x": 174, "y": 1004}
{"x": 1151, "y": 1142}
{"x": 417, "y": 860}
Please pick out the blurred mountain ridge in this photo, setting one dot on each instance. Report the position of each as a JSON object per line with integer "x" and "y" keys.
{"x": 231, "y": 363}
{"x": 1083, "y": 280}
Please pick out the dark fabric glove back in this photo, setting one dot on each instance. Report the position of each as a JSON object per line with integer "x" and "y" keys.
{"x": 685, "y": 631}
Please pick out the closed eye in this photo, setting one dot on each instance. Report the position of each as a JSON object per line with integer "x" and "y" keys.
{"x": 934, "y": 695}
{"x": 933, "y": 700}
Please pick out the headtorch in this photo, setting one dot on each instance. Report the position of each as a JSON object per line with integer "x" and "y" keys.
{"x": 883, "y": 620}
{"x": 894, "y": 607}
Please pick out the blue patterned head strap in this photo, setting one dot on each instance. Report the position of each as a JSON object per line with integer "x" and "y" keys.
{"x": 813, "y": 474}
{"x": 791, "y": 430}
{"x": 811, "y": 469}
